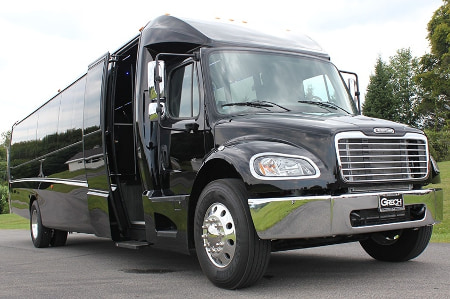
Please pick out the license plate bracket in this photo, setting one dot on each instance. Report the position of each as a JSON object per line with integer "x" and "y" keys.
{"x": 391, "y": 202}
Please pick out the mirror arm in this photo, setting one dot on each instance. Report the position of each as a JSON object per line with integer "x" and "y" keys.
{"x": 357, "y": 92}
{"x": 159, "y": 79}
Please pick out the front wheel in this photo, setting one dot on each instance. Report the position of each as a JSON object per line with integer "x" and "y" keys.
{"x": 398, "y": 246}
{"x": 228, "y": 249}
{"x": 40, "y": 235}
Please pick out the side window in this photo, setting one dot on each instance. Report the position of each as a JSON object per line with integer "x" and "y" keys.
{"x": 183, "y": 94}
{"x": 46, "y": 136}
{"x": 319, "y": 88}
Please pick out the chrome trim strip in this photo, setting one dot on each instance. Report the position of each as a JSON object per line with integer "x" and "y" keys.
{"x": 53, "y": 180}
{"x": 138, "y": 222}
{"x": 99, "y": 193}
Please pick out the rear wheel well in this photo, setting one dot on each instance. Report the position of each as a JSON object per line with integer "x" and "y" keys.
{"x": 208, "y": 173}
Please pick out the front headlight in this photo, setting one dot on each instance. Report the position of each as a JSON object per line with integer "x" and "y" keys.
{"x": 271, "y": 166}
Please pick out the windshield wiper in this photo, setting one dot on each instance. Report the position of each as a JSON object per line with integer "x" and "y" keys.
{"x": 256, "y": 104}
{"x": 325, "y": 104}
{"x": 275, "y": 104}
{"x": 248, "y": 104}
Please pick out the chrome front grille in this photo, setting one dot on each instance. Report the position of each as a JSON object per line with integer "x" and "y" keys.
{"x": 365, "y": 158}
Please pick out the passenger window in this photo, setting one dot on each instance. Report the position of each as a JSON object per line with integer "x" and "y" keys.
{"x": 319, "y": 88}
{"x": 183, "y": 94}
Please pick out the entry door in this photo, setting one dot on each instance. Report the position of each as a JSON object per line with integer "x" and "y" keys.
{"x": 94, "y": 160}
{"x": 182, "y": 146}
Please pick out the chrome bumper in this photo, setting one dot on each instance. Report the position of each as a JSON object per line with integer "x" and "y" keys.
{"x": 325, "y": 216}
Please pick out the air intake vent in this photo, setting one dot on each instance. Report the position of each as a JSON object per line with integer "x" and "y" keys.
{"x": 374, "y": 159}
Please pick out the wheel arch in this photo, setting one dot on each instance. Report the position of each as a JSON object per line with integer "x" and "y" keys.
{"x": 207, "y": 174}
{"x": 33, "y": 198}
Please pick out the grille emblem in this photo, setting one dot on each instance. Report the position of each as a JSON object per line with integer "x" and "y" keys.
{"x": 383, "y": 131}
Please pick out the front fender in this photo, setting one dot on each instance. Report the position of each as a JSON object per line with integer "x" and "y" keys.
{"x": 239, "y": 154}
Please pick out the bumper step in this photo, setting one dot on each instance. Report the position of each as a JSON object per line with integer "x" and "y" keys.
{"x": 132, "y": 244}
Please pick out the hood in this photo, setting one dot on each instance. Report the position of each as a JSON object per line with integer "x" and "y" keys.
{"x": 314, "y": 136}
{"x": 290, "y": 127}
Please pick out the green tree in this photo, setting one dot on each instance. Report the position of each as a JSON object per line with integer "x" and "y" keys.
{"x": 4, "y": 143}
{"x": 392, "y": 92}
{"x": 379, "y": 97}
{"x": 434, "y": 77}
{"x": 434, "y": 80}
{"x": 4, "y": 207}
{"x": 404, "y": 67}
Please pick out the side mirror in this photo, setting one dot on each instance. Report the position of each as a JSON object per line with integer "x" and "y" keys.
{"x": 353, "y": 87}
{"x": 156, "y": 73}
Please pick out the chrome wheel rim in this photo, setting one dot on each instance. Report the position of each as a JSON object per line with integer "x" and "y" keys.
{"x": 219, "y": 235}
{"x": 34, "y": 224}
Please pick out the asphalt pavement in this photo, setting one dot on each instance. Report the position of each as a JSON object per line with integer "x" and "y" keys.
{"x": 91, "y": 267}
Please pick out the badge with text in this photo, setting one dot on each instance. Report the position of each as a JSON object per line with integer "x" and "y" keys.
{"x": 391, "y": 202}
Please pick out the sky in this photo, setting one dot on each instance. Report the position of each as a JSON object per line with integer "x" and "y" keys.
{"x": 46, "y": 45}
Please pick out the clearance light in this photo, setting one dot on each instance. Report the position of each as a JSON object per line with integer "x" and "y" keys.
{"x": 272, "y": 166}
{"x": 231, "y": 20}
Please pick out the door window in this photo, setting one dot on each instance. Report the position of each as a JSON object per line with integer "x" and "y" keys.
{"x": 184, "y": 95}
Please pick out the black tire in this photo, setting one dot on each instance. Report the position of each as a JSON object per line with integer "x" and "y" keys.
{"x": 228, "y": 249}
{"x": 59, "y": 238}
{"x": 398, "y": 246}
{"x": 40, "y": 235}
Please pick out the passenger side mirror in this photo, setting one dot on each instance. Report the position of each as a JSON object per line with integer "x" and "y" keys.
{"x": 353, "y": 87}
{"x": 156, "y": 74}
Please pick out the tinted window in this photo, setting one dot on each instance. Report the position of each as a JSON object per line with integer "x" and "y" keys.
{"x": 23, "y": 142}
{"x": 71, "y": 114}
{"x": 92, "y": 98}
{"x": 47, "y": 127}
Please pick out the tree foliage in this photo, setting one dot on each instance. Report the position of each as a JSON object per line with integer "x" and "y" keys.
{"x": 4, "y": 143}
{"x": 434, "y": 80}
{"x": 434, "y": 73}
{"x": 404, "y": 68}
{"x": 378, "y": 100}
{"x": 4, "y": 207}
{"x": 392, "y": 93}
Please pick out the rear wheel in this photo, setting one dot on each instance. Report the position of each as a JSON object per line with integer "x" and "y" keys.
{"x": 228, "y": 249}
{"x": 59, "y": 238}
{"x": 40, "y": 235}
{"x": 398, "y": 246}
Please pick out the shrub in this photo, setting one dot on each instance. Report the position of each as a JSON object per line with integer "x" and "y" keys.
{"x": 439, "y": 142}
{"x": 4, "y": 207}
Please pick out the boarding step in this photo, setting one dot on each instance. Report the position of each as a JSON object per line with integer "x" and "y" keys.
{"x": 132, "y": 244}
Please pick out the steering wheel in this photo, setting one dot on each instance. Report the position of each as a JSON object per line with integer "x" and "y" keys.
{"x": 316, "y": 99}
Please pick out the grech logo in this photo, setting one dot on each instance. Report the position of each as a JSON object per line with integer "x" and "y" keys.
{"x": 384, "y": 131}
{"x": 395, "y": 202}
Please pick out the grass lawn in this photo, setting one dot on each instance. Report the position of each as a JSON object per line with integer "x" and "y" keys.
{"x": 13, "y": 221}
{"x": 441, "y": 232}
